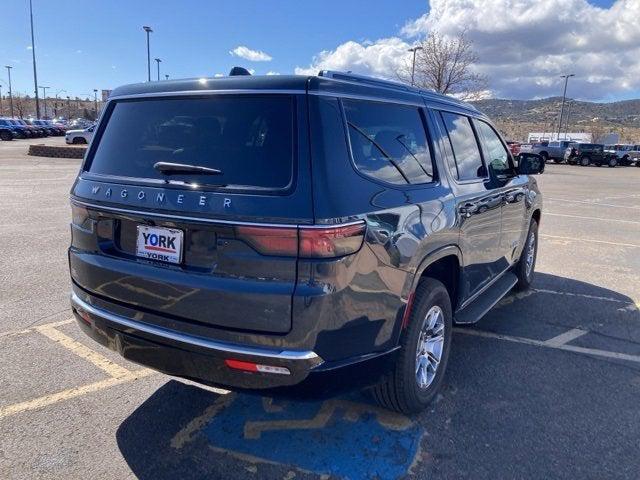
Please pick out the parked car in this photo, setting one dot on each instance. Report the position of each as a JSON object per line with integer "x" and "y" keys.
{"x": 549, "y": 150}
{"x": 7, "y": 131}
{"x": 14, "y": 130}
{"x": 278, "y": 231}
{"x": 514, "y": 147}
{"x": 586, "y": 154}
{"x": 627, "y": 154}
{"x": 36, "y": 131}
{"x": 43, "y": 129}
{"x": 79, "y": 136}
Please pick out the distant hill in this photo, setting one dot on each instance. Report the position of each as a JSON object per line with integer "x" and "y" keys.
{"x": 518, "y": 117}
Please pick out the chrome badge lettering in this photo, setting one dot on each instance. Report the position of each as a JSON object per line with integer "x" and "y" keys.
{"x": 197, "y": 199}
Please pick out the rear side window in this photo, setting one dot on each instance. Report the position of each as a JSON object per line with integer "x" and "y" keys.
{"x": 465, "y": 147}
{"x": 389, "y": 142}
{"x": 248, "y": 138}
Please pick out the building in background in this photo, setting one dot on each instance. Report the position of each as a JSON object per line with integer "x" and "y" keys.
{"x": 583, "y": 137}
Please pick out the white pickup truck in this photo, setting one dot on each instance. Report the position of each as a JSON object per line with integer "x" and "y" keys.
{"x": 627, "y": 154}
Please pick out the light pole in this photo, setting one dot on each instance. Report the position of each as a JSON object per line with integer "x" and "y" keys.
{"x": 148, "y": 30}
{"x": 55, "y": 105}
{"x": 95, "y": 100}
{"x": 564, "y": 96}
{"x": 9, "y": 67}
{"x": 0, "y": 99}
{"x": 68, "y": 107}
{"x": 158, "y": 63}
{"x": 33, "y": 54}
{"x": 566, "y": 123}
{"x": 166, "y": 77}
{"x": 413, "y": 63}
{"x": 44, "y": 99}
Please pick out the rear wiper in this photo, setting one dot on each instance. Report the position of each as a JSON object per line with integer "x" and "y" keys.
{"x": 169, "y": 168}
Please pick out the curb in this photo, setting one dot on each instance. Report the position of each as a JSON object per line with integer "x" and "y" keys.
{"x": 57, "y": 151}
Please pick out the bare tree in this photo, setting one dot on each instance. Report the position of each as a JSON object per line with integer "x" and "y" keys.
{"x": 445, "y": 65}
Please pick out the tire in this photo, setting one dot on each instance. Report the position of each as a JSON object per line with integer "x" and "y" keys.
{"x": 523, "y": 271}
{"x": 557, "y": 160}
{"x": 612, "y": 162}
{"x": 626, "y": 161}
{"x": 79, "y": 140}
{"x": 399, "y": 390}
{"x": 6, "y": 136}
{"x": 585, "y": 161}
{"x": 544, "y": 155}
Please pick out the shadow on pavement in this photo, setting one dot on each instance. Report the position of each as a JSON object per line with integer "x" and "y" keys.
{"x": 505, "y": 410}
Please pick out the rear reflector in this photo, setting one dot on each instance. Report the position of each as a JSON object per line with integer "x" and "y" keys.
{"x": 306, "y": 242}
{"x": 256, "y": 367}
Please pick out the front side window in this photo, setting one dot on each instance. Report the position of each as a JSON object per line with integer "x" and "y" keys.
{"x": 495, "y": 155}
{"x": 388, "y": 142}
{"x": 469, "y": 164}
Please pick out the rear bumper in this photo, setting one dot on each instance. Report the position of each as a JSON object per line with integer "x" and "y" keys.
{"x": 193, "y": 357}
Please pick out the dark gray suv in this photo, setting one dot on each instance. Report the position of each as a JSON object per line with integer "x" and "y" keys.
{"x": 279, "y": 232}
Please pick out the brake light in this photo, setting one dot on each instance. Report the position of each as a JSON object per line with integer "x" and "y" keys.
{"x": 270, "y": 240}
{"x": 331, "y": 242}
{"x": 306, "y": 242}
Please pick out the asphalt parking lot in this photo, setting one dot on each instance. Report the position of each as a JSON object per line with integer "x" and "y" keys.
{"x": 547, "y": 385}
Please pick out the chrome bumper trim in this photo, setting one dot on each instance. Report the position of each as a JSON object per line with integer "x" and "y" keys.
{"x": 193, "y": 340}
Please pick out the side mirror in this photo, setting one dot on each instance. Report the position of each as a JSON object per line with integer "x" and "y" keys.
{"x": 530, "y": 164}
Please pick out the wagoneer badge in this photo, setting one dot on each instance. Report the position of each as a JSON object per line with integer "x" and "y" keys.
{"x": 159, "y": 198}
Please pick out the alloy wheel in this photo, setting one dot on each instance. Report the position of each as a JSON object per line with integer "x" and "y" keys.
{"x": 430, "y": 347}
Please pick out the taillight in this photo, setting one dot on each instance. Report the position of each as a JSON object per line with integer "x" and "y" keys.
{"x": 306, "y": 242}
{"x": 80, "y": 217}
{"x": 331, "y": 242}
{"x": 270, "y": 240}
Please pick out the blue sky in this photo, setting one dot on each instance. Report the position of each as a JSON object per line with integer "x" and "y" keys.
{"x": 82, "y": 45}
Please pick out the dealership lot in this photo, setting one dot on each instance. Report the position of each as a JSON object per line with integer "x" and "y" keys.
{"x": 546, "y": 385}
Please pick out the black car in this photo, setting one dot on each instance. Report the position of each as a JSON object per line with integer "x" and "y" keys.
{"x": 295, "y": 232}
{"x": 586, "y": 154}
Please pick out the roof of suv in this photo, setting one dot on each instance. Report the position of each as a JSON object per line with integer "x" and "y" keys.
{"x": 334, "y": 83}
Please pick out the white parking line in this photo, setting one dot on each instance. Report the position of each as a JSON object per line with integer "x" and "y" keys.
{"x": 594, "y": 203}
{"x": 565, "y": 337}
{"x": 538, "y": 343}
{"x": 574, "y": 239}
{"x": 583, "y": 217}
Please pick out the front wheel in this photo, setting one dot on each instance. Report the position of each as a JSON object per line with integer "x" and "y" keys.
{"x": 525, "y": 268}
{"x": 585, "y": 161}
{"x": 613, "y": 161}
{"x": 422, "y": 359}
{"x": 6, "y": 136}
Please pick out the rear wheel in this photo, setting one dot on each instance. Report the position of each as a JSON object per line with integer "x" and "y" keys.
{"x": 525, "y": 268}
{"x": 6, "y": 136}
{"x": 422, "y": 359}
{"x": 585, "y": 161}
{"x": 613, "y": 161}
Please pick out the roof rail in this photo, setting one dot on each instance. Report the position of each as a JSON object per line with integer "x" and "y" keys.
{"x": 352, "y": 77}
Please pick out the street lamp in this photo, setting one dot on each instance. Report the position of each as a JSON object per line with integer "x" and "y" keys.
{"x": 95, "y": 100}
{"x": 9, "y": 67}
{"x": 166, "y": 77}
{"x": 413, "y": 63}
{"x": 68, "y": 107}
{"x": 158, "y": 62}
{"x": 566, "y": 122}
{"x": 148, "y": 30}
{"x": 33, "y": 53}
{"x": 55, "y": 105}
{"x": 564, "y": 96}
{"x": 44, "y": 99}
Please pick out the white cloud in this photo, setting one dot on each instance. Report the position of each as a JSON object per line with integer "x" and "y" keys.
{"x": 271, "y": 72}
{"x": 523, "y": 46}
{"x": 251, "y": 55}
{"x": 29, "y": 47}
{"x": 217, "y": 75}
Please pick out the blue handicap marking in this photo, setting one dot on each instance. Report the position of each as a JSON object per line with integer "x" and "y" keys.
{"x": 339, "y": 436}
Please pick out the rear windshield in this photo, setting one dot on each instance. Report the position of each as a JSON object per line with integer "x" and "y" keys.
{"x": 249, "y": 139}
